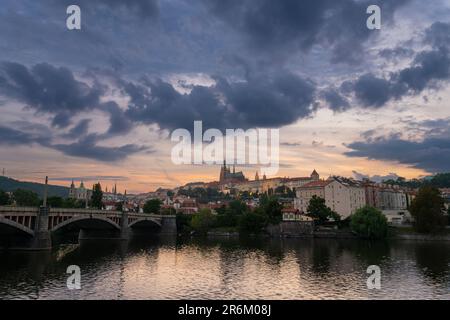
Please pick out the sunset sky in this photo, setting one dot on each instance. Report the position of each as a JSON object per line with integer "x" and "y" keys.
{"x": 99, "y": 104}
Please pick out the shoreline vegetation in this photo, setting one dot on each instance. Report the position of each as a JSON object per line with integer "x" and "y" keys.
{"x": 394, "y": 233}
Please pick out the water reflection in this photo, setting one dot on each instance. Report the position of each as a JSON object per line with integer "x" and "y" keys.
{"x": 246, "y": 268}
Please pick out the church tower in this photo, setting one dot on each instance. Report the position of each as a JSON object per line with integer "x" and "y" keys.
{"x": 72, "y": 191}
{"x": 315, "y": 176}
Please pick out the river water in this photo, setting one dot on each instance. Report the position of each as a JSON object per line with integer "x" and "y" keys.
{"x": 167, "y": 268}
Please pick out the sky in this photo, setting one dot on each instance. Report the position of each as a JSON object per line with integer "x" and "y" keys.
{"x": 100, "y": 103}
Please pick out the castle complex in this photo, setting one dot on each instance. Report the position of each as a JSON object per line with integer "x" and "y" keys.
{"x": 226, "y": 176}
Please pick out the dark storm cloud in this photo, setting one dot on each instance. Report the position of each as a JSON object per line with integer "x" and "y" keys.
{"x": 335, "y": 100}
{"x": 276, "y": 26}
{"x": 119, "y": 123}
{"x": 438, "y": 35}
{"x": 430, "y": 153}
{"x": 428, "y": 70}
{"x": 87, "y": 148}
{"x": 13, "y": 137}
{"x": 79, "y": 130}
{"x": 257, "y": 102}
{"x": 372, "y": 91}
{"x": 48, "y": 89}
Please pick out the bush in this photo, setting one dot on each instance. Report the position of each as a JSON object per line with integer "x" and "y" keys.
{"x": 203, "y": 221}
{"x": 369, "y": 222}
{"x": 253, "y": 221}
{"x": 152, "y": 206}
{"x": 4, "y": 198}
{"x": 26, "y": 198}
{"x": 183, "y": 222}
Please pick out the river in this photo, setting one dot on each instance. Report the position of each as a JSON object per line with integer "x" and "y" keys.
{"x": 168, "y": 268}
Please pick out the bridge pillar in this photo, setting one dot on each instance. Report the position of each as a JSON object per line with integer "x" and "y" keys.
{"x": 169, "y": 225}
{"x": 42, "y": 239}
{"x": 124, "y": 229}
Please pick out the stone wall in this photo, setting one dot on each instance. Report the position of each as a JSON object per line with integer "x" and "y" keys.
{"x": 292, "y": 229}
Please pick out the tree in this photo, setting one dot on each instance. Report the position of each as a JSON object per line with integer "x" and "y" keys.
{"x": 203, "y": 221}
{"x": 118, "y": 206}
{"x": 253, "y": 221}
{"x": 369, "y": 222}
{"x": 229, "y": 216}
{"x": 170, "y": 193}
{"x": 272, "y": 208}
{"x": 184, "y": 222}
{"x": 97, "y": 196}
{"x": 152, "y": 206}
{"x": 428, "y": 210}
{"x": 4, "y": 198}
{"x": 55, "y": 202}
{"x": 26, "y": 198}
{"x": 168, "y": 212}
{"x": 71, "y": 203}
{"x": 318, "y": 210}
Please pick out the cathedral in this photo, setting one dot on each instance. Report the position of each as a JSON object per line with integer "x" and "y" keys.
{"x": 226, "y": 176}
{"x": 80, "y": 193}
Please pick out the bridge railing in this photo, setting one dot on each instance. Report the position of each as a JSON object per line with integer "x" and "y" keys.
{"x": 8, "y": 209}
{"x": 82, "y": 211}
{"x": 66, "y": 211}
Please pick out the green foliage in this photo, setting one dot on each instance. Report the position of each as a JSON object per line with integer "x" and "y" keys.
{"x": 229, "y": 216}
{"x": 272, "y": 209}
{"x": 369, "y": 222}
{"x": 203, "y": 195}
{"x": 318, "y": 210}
{"x": 119, "y": 206}
{"x": 4, "y": 198}
{"x": 440, "y": 180}
{"x": 170, "y": 193}
{"x": 153, "y": 206}
{"x": 285, "y": 192}
{"x": 97, "y": 196}
{"x": 10, "y": 185}
{"x": 203, "y": 221}
{"x": 253, "y": 221}
{"x": 55, "y": 202}
{"x": 73, "y": 204}
{"x": 26, "y": 198}
{"x": 428, "y": 210}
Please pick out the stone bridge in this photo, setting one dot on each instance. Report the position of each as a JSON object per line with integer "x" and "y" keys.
{"x": 34, "y": 228}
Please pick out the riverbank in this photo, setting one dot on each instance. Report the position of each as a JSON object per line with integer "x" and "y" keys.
{"x": 395, "y": 233}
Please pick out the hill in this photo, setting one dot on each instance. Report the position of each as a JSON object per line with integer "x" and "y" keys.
{"x": 9, "y": 185}
{"x": 440, "y": 180}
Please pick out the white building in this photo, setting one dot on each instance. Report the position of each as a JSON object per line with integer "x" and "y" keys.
{"x": 80, "y": 193}
{"x": 342, "y": 195}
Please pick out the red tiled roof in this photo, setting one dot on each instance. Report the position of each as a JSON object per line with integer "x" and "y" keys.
{"x": 316, "y": 184}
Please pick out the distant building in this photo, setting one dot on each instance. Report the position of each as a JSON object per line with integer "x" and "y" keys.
{"x": 226, "y": 176}
{"x": 187, "y": 206}
{"x": 265, "y": 185}
{"x": 342, "y": 195}
{"x": 291, "y": 214}
{"x": 80, "y": 193}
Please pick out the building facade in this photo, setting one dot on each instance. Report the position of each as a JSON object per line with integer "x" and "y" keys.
{"x": 344, "y": 196}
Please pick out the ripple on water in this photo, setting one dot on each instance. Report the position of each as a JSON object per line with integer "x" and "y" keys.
{"x": 231, "y": 269}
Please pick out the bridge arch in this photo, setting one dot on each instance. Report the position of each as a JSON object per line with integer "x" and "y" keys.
{"x": 16, "y": 226}
{"x": 145, "y": 222}
{"x": 89, "y": 221}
